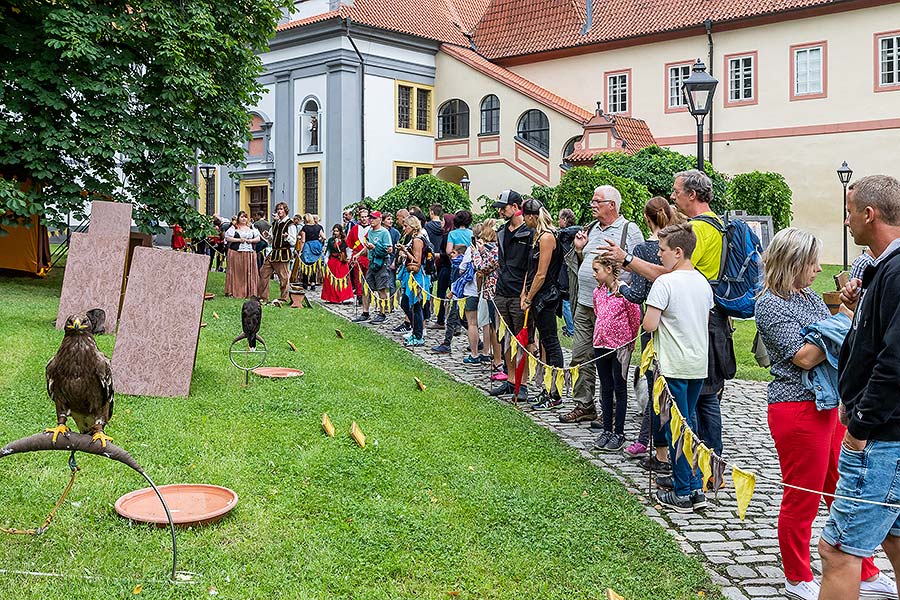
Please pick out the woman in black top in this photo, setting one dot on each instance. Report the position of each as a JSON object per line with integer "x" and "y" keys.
{"x": 312, "y": 240}
{"x": 443, "y": 275}
{"x": 541, "y": 292}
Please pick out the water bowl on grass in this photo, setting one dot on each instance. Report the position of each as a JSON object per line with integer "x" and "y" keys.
{"x": 190, "y": 504}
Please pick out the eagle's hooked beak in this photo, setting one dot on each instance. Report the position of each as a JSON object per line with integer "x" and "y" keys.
{"x": 78, "y": 324}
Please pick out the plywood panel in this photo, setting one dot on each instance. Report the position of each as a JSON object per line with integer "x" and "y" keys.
{"x": 108, "y": 218}
{"x": 160, "y": 323}
{"x": 93, "y": 276}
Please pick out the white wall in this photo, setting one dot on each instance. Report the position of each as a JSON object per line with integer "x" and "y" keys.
{"x": 266, "y": 103}
{"x": 304, "y": 87}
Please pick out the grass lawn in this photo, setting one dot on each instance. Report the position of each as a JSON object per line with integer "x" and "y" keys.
{"x": 454, "y": 492}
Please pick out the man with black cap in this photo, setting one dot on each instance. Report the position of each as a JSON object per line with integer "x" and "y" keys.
{"x": 513, "y": 245}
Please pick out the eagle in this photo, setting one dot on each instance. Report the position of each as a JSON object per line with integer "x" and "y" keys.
{"x": 79, "y": 381}
{"x": 251, "y": 316}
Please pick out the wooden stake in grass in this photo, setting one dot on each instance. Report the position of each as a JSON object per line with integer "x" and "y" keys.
{"x": 291, "y": 346}
{"x": 327, "y": 425}
{"x": 611, "y": 595}
{"x": 339, "y": 333}
{"x": 419, "y": 384}
{"x": 357, "y": 434}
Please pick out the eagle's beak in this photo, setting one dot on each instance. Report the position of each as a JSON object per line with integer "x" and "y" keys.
{"x": 76, "y": 323}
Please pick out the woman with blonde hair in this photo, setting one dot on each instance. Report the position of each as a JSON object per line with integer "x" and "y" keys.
{"x": 541, "y": 292}
{"x": 807, "y": 440}
{"x": 413, "y": 280}
{"x": 486, "y": 244}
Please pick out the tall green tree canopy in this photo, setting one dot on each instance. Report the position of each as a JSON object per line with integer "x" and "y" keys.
{"x": 118, "y": 99}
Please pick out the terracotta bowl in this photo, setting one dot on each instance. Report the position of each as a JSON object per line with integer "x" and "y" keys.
{"x": 190, "y": 504}
{"x": 277, "y": 372}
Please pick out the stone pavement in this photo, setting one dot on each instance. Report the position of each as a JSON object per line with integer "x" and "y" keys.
{"x": 741, "y": 556}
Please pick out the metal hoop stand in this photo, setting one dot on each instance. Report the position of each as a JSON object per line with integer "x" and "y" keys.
{"x": 249, "y": 358}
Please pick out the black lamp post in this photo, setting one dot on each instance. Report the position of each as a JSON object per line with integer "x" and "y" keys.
{"x": 844, "y": 174}
{"x": 464, "y": 183}
{"x": 208, "y": 172}
{"x": 699, "y": 90}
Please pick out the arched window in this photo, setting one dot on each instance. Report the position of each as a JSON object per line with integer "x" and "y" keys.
{"x": 490, "y": 114}
{"x": 453, "y": 119}
{"x": 310, "y": 125}
{"x": 534, "y": 130}
{"x": 568, "y": 149}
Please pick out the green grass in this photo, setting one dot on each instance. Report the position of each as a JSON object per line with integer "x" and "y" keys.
{"x": 454, "y": 492}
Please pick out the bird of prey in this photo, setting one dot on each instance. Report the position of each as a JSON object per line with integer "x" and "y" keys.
{"x": 98, "y": 319}
{"x": 79, "y": 381}
{"x": 251, "y": 315}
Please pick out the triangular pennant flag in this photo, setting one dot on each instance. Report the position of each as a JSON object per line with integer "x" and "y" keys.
{"x": 506, "y": 341}
{"x": 687, "y": 445}
{"x": 567, "y": 380}
{"x": 675, "y": 424}
{"x": 532, "y": 367}
{"x": 647, "y": 357}
{"x": 658, "y": 387}
{"x": 744, "y": 483}
{"x": 462, "y": 308}
{"x": 501, "y": 329}
{"x": 548, "y": 378}
{"x": 559, "y": 382}
{"x": 718, "y": 471}
{"x": 576, "y": 370}
{"x": 703, "y": 462}
{"x": 437, "y": 305}
{"x": 539, "y": 373}
{"x": 665, "y": 405}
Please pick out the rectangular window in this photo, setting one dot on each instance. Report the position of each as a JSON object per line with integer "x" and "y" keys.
{"x": 740, "y": 79}
{"x": 414, "y": 108}
{"x": 403, "y": 173}
{"x": 808, "y": 71}
{"x": 422, "y": 171}
{"x": 889, "y": 61}
{"x": 311, "y": 190}
{"x": 675, "y": 77}
{"x": 617, "y": 93}
{"x": 408, "y": 170}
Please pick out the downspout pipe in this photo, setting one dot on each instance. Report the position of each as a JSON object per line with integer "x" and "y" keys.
{"x": 709, "y": 41}
{"x": 362, "y": 112}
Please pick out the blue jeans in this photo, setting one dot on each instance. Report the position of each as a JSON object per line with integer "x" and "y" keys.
{"x": 414, "y": 314}
{"x": 685, "y": 393}
{"x": 857, "y": 528}
{"x": 709, "y": 421}
{"x": 569, "y": 328}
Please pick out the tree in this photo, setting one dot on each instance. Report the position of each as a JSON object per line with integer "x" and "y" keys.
{"x": 762, "y": 194}
{"x": 655, "y": 167}
{"x": 119, "y": 99}
{"x": 423, "y": 191}
{"x": 577, "y": 186}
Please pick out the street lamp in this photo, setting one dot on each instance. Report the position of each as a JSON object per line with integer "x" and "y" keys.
{"x": 464, "y": 183}
{"x": 699, "y": 90}
{"x": 208, "y": 172}
{"x": 844, "y": 174}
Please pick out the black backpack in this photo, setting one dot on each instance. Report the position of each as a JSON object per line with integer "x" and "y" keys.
{"x": 429, "y": 264}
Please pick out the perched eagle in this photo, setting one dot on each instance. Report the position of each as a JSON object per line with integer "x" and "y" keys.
{"x": 251, "y": 316}
{"x": 79, "y": 381}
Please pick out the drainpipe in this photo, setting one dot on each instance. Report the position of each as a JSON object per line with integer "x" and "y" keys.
{"x": 709, "y": 118}
{"x": 362, "y": 113}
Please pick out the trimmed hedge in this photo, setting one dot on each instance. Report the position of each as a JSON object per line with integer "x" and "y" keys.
{"x": 423, "y": 191}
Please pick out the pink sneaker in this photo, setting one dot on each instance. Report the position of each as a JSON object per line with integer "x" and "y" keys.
{"x": 499, "y": 376}
{"x": 636, "y": 450}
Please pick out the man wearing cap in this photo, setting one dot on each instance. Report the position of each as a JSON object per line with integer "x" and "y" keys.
{"x": 377, "y": 246}
{"x": 513, "y": 245}
{"x": 608, "y": 226}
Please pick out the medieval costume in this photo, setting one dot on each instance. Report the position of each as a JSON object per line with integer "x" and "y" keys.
{"x": 284, "y": 236}
{"x": 336, "y": 283}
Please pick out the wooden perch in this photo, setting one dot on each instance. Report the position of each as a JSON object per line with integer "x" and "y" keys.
{"x": 69, "y": 442}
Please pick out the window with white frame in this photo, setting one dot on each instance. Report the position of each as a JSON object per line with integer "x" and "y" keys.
{"x": 808, "y": 70}
{"x": 617, "y": 93}
{"x": 676, "y": 76}
{"x": 889, "y": 60}
{"x": 740, "y": 78}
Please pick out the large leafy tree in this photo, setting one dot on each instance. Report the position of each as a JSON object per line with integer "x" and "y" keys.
{"x": 118, "y": 99}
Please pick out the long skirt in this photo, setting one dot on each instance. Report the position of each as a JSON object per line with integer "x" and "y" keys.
{"x": 241, "y": 274}
{"x": 331, "y": 293}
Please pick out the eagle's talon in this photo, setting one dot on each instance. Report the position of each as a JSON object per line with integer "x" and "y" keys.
{"x": 56, "y": 431}
{"x": 102, "y": 437}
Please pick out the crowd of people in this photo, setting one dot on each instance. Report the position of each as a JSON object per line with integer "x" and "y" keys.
{"x": 833, "y": 411}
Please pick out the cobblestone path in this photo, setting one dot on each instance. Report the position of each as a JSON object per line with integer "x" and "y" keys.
{"x": 741, "y": 556}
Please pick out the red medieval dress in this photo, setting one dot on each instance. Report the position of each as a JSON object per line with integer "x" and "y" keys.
{"x": 336, "y": 283}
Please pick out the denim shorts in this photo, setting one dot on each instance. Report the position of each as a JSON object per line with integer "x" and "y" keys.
{"x": 857, "y": 528}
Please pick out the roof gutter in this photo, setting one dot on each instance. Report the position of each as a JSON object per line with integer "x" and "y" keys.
{"x": 362, "y": 112}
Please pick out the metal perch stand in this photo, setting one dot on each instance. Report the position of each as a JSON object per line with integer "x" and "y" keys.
{"x": 78, "y": 442}
{"x": 246, "y": 358}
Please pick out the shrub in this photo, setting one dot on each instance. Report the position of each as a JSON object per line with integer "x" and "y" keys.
{"x": 762, "y": 194}
{"x": 423, "y": 191}
{"x": 543, "y": 193}
{"x": 577, "y": 186}
{"x": 485, "y": 204}
{"x": 655, "y": 167}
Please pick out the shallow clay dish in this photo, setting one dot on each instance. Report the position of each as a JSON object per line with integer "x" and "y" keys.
{"x": 277, "y": 372}
{"x": 189, "y": 503}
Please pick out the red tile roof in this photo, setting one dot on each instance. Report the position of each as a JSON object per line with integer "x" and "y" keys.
{"x": 635, "y": 133}
{"x": 518, "y": 83}
{"x": 629, "y": 135}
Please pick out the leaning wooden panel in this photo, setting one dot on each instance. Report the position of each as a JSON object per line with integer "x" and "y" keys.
{"x": 160, "y": 323}
{"x": 110, "y": 218}
{"x": 93, "y": 277}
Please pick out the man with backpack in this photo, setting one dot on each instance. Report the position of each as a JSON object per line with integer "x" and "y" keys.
{"x": 692, "y": 195}
{"x": 608, "y": 226}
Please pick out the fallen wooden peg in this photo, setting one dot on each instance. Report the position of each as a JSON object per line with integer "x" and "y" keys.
{"x": 357, "y": 434}
{"x": 216, "y": 315}
{"x": 339, "y": 333}
{"x": 327, "y": 425}
{"x": 291, "y": 346}
{"x": 611, "y": 595}
{"x": 419, "y": 384}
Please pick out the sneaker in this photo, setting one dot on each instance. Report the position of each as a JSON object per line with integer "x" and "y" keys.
{"x": 499, "y": 376}
{"x": 670, "y": 499}
{"x": 803, "y": 590}
{"x": 596, "y": 425}
{"x": 578, "y": 414}
{"x": 602, "y": 440}
{"x": 636, "y": 450}
{"x": 379, "y": 318}
{"x": 665, "y": 482}
{"x": 441, "y": 349}
{"x": 414, "y": 342}
{"x": 435, "y": 326}
{"x": 502, "y": 389}
{"x": 522, "y": 396}
{"x": 360, "y": 318}
{"x": 485, "y": 358}
{"x": 471, "y": 360}
{"x": 546, "y": 402}
{"x": 880, "y": 587}
{"x": 480, "y": 345}
{"x": 402, "y": 327}
{"x": 616, "y": 442}
{"x": 654, "y": 464}
{"x": 698, "y": 499}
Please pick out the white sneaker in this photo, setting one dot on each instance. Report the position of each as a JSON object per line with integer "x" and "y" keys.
{"x": 804, "y": 590}
{"x": 882, "y": 588}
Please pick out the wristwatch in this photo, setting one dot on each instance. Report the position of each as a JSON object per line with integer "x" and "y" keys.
{"x": 628, "y": 258}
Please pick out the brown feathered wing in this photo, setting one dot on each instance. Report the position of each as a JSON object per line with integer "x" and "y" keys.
{"x": 79, "y": 381}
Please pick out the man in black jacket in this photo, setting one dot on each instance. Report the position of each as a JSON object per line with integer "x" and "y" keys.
{"x": 869, "y": 374}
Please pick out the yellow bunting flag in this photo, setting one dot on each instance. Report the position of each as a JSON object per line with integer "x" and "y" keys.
{"x": 532, "y": 367}
{"x": 574, "y": 377}
{"x": 437, "y": 304}
{"x": 744, "y": 483}
{"x": 687, "y": 445}
{"x": 647, "y": 357}
{"x": 462, "y": 308}
{"x": 704, "y": 462}
{"x": 501, "y": 330}
{"x": 676, "y": 424}
{"x": 548, "y": 378}
{"x": 327, "y": 425}
{"x": 560, "y": 378}
{"x": 658, "y": 386}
